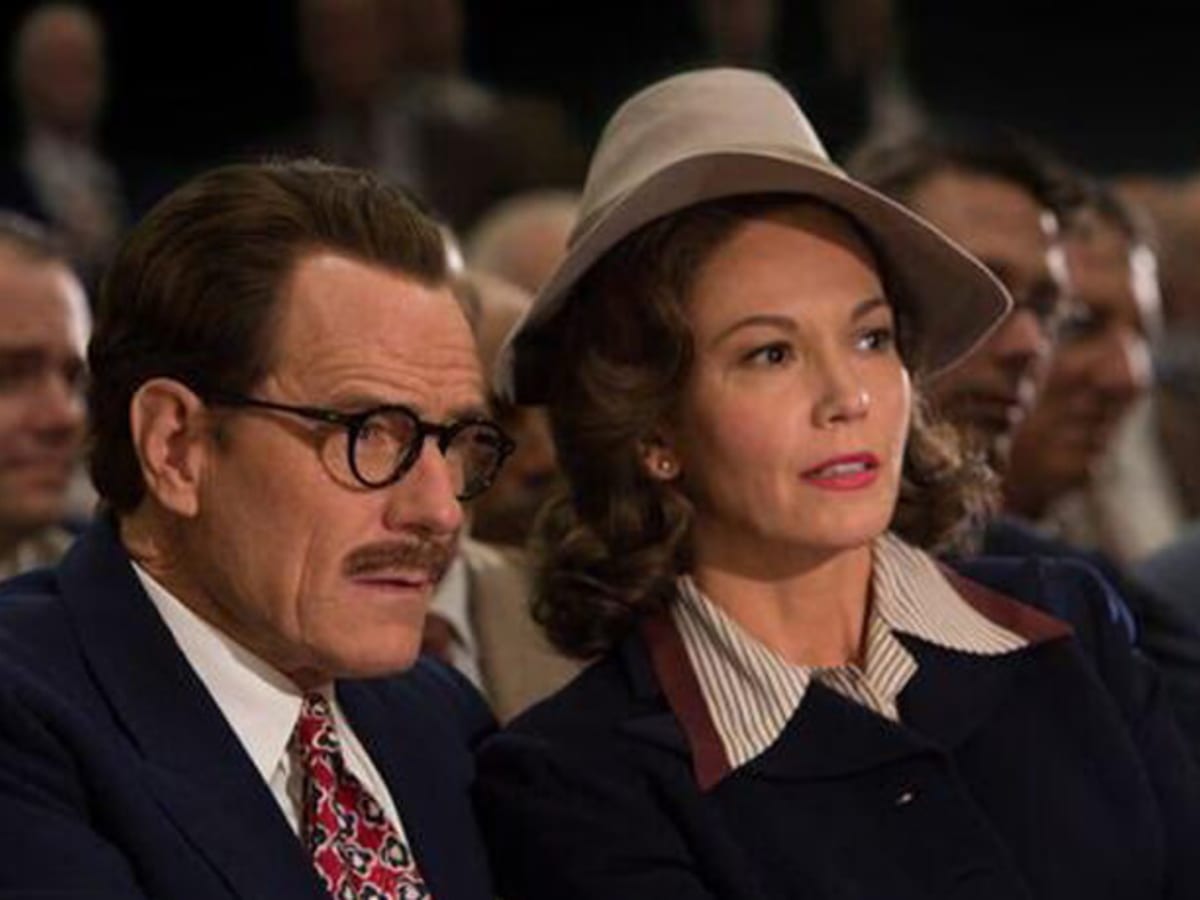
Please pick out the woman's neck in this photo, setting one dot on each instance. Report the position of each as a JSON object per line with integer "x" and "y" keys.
{"x": 812, "y": 614}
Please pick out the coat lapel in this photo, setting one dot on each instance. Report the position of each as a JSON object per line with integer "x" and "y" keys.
{"x": 193, "y": 762}
{"x": 951, "y": 695}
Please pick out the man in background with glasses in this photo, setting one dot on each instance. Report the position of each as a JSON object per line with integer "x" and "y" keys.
{"x": 217, "y": 693}
{"x": 1008, "y": 203}
{"x": 1001, "y": 199}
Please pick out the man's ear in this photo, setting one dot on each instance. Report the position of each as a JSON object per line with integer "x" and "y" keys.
{"x": 169, "y": 425}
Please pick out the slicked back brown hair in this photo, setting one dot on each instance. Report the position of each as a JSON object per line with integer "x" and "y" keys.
{"x": 194, "y": 292}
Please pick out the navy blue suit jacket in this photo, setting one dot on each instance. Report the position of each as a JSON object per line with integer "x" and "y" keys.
{"x": 1054, "y": 772}
{"x": 119, "y": 777}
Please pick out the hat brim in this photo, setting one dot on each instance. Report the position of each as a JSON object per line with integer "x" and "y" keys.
{"x": 956, "y": 300}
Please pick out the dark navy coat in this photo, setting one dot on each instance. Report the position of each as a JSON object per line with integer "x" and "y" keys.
{"x": 1054, "y": 772}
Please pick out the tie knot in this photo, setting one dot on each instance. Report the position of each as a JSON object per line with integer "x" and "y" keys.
{"x": 315, "y": 733}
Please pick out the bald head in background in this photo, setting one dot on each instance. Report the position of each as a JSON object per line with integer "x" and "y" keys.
{"x": 506, "y": 512}
{"x": 524, "y": 238}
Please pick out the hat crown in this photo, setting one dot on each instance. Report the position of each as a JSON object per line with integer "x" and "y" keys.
{"x": 674, "y": 120}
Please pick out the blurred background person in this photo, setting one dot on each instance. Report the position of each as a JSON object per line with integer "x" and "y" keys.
{"x": 1001, "y": 199}
{"x": 393, "y": 95}
{"x": 522, "y": 239}
{"x": 60, "y": 174}
{"x": 844, "y": 57}
{"x": 1013, "y": 206}
{"x": 532, "y": 471}
{"x": 1086, "y": 462}
{"x": 480, "y": 621}
{"x": 344, "y": 50}
{"x": 1174, "y": 205}
{"x": 44, "y": 325}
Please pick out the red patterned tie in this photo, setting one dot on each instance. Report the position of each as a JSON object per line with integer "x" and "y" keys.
{"x": 357, "y": 852}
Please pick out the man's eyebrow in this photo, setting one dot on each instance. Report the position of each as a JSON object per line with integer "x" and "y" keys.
{"x": 20, "y": 354}
{"x": 475, "y": 410}
{"x": 362, "y": 402}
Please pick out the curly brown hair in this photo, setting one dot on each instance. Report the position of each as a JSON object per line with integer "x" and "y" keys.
{"x": 611, "y": 545}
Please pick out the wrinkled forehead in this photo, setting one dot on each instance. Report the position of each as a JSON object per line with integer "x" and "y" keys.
{"x": 343, "y": 322}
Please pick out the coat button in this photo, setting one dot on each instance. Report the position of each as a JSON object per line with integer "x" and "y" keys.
{"x": 905, "y": 797}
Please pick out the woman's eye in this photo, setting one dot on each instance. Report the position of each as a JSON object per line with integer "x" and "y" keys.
{"x": 769, "y": 355}
{"x": 877, "y": 339}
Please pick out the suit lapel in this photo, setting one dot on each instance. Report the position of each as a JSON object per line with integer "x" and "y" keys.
{"x": 516, "y": 662}
{"x": 404, "y": 747}
{"x": 194, "y": 763}
{"x": 494, "y": 616}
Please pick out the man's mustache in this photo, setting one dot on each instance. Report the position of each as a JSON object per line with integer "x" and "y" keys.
{"x": 419, "y": 553}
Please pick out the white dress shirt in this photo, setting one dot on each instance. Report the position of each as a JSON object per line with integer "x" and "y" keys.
{"x": 752, "y": 692}
{"x": 262, "y": 706}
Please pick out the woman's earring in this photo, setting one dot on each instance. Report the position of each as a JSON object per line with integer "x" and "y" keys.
{"x": 665, "y": 467}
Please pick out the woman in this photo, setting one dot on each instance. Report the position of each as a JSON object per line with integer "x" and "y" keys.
{"x": 791, "y": 699}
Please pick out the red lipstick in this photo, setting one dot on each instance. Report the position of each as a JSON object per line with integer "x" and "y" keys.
{"x": 851, "y": 472}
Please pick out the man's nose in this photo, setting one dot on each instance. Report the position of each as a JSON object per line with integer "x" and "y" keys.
{"x": 55, "y": 403}
{"x": 427, "y": 496}
{"x": 1022, "y": 339}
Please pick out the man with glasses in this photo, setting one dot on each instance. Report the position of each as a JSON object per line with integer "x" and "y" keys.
{"x": 1001, "y": 199}
{"x": 218, "y": 692}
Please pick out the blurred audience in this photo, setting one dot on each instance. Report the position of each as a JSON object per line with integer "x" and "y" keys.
{"x": 507, "y": 514}
{"x": 844, "y": 58}
{"x": 1175, "y": 209}
{"x": 524, "y": 238}
{"x": 1001, "y": 199}
{"x": 1086, "y": 462}
{"x": 393, "y": 96}
{"x": 60, "y": 174}
{"x": 44, "y": 326}
{"x": 480, "y": 619}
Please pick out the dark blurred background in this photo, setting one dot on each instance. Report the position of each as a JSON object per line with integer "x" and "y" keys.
{"x": 1108, "y": 86}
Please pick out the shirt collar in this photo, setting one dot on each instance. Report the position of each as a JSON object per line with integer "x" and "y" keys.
{"x": 751, "y": 693}
{"x": 260, "y": 703}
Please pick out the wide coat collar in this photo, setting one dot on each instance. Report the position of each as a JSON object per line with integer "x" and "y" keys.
{"x": 952, "y": 695}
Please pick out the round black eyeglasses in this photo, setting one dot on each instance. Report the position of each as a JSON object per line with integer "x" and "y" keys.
{"x": 386, "y": 441}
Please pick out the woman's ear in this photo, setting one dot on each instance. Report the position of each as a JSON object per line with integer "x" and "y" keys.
{"x": 168, "y": 423}
{"x": 658, "y": 459}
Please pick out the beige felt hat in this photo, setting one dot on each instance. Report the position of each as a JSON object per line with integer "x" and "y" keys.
{"x": 719, "y": 133}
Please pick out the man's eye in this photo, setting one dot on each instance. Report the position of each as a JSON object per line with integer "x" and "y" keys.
{"x": 1076, "y": 323}
{"x": 14, "y": 375}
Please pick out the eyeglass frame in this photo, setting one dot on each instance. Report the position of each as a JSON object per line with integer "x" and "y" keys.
{"x": 354, "y": 422}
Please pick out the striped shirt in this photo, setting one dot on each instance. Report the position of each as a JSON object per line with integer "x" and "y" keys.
{"x": 752, "y": 692}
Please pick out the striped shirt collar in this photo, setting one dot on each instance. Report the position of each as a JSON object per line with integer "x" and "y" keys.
{"x": 751, "y": 692}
